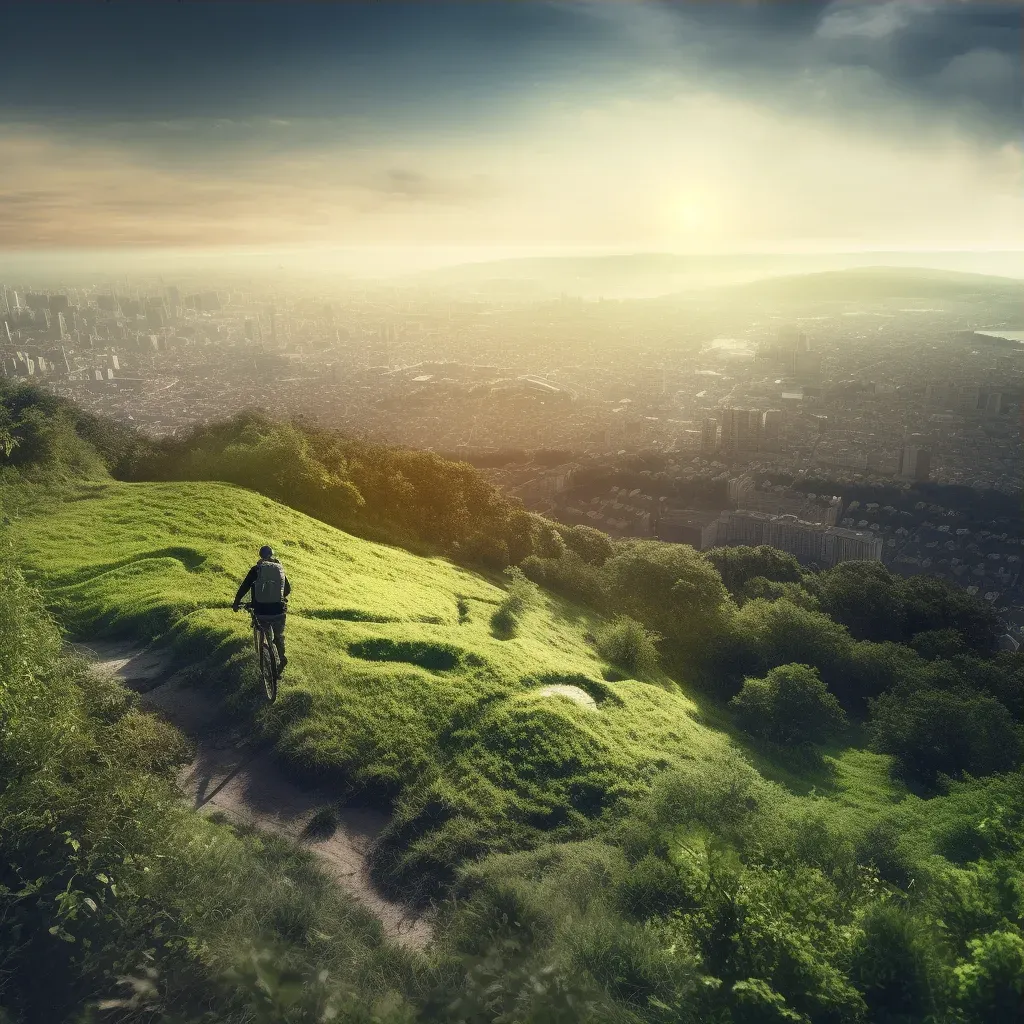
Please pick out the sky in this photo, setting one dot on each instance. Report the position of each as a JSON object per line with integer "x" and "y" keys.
{"x": 501, "y": 128}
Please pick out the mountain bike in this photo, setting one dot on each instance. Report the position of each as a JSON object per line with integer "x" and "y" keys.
{"x": 265, "y": 654}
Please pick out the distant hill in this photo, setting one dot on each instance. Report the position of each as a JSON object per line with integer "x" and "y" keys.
{"x": 874, "y": 283}
{"x": 640, "y": 275}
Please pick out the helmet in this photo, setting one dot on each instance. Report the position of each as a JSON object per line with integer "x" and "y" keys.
{"x": 266, "y": 551}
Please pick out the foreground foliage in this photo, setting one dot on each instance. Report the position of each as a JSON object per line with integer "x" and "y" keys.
{"x": 114, "y": 894}
{"x": 621, "y": 862}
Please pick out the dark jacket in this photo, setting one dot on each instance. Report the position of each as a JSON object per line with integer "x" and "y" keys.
{"x": 261, "y": 608}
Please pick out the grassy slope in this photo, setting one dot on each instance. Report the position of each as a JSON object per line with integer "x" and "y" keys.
{"x": 390, "y": 691}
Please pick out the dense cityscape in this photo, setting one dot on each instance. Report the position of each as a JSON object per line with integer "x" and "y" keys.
{"x": 703, "y": 418}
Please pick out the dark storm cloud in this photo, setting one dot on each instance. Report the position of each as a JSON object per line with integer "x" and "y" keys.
{"x": 860, "y": 58}
{"x": 374, "y": 68}
{"x": 172, "y": 60}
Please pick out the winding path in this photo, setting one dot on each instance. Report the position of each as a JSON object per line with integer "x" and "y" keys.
{"x": 235, "y": 777}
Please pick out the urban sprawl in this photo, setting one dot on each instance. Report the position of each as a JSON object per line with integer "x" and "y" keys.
{"x": 885, "y": 430}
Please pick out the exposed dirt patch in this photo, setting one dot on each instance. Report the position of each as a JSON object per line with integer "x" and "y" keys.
{"x": 232, "y": 776}
{"x": 573, "y": 693}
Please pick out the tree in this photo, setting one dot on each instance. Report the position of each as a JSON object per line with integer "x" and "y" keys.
{"x": 790, "y": 705}
{"x": 589, "y": 544}
{"x": 671, "y": 589}
{"x": 932, "y": 603}
{"x": 865, "y": 598}
{"x": 944, "y": 732}
{"x": 770, "y": 633}
{"x": 738, "y": 565}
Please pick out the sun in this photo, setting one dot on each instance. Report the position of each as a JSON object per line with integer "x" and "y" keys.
{"x": 695, "y": 213}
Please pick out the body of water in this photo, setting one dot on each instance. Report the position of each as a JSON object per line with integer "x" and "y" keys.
{"x": 1008, "y": 335}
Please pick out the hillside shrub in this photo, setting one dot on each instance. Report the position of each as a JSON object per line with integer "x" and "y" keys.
{"x": 549, "y": 543}
{"x": 935, "y": 644}
{"x": 671, "y": 589}
{"x": 990, "y": 981}
{"x": 740, "y": 564}
{"x": 590, "y": 545}
{"x": 520, "y": 594}
{"x": 895, "y": 965}
{"x": 628, "y": 645}
{"x": 944, "y": 732}
{"x": 789, "y": 705}
{"x": 765, "y": 634}
{"x": 770, "y": 590}
{"x": 569, "y": 576}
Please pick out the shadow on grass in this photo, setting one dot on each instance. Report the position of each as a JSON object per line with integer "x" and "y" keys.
{"x": 345, "y": 615}
{"x": 802, "y": 769}
{"x": 434, "y": 656}
{"x": 190, "y": 559}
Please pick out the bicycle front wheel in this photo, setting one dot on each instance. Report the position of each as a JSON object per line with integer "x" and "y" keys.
{"x": 268, "y": 668}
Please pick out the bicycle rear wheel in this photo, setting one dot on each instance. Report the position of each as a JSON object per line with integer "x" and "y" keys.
{"x": 268, "y": 667}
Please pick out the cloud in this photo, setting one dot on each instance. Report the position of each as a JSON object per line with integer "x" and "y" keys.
{"x": 869, "y": 20}
{"x": 713, "y": 125}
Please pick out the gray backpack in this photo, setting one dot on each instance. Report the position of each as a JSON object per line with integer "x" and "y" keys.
{"x": 269, "y": 585}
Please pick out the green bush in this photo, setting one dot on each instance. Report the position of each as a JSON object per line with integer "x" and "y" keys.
{"x": 520, "y": 594}
{"x": 934, "y": 644}
{"x": 670, "y": 588}
{"x": 590, "y": 545}
{"x": 944, "y": 732}
{"x": 741, "y": 564}
{"x": 765, "y": 634}
{"x": 789, "y": 705}
{"x": 549, "y": 542}
{"x": 771, "y": 590}
{"x": 990, "y": 982}
{"x": 628, "y": 645}
{"x": 895, "y": 965}
{"x": 569, "y": 576}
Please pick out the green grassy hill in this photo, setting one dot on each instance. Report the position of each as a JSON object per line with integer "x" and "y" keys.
{"x": 637, "y": 860}
{"x": 397, "y": 686}
{"x": 397, "y": 691}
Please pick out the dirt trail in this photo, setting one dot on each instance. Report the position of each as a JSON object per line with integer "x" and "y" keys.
{"x": 232, "y": 776}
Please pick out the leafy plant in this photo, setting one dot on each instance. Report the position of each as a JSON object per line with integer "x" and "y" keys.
{"x": 789, "y": 705}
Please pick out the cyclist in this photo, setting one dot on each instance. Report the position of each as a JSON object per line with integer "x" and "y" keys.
{"x": 270, "y": 588}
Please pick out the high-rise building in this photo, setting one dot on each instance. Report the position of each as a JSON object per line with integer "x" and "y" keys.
{"x": 771, "y": 424}
{"x": 914, "y": 463}
{"x": 807, "y": 365}
{"x": 741, "y": 430}
{"x": 708, "y": 436}
{"x": 799, "y": 538}
{"x": 697, "y": 528}
{"x": 841, "y": 545}
{"x": 742, "y": 528}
